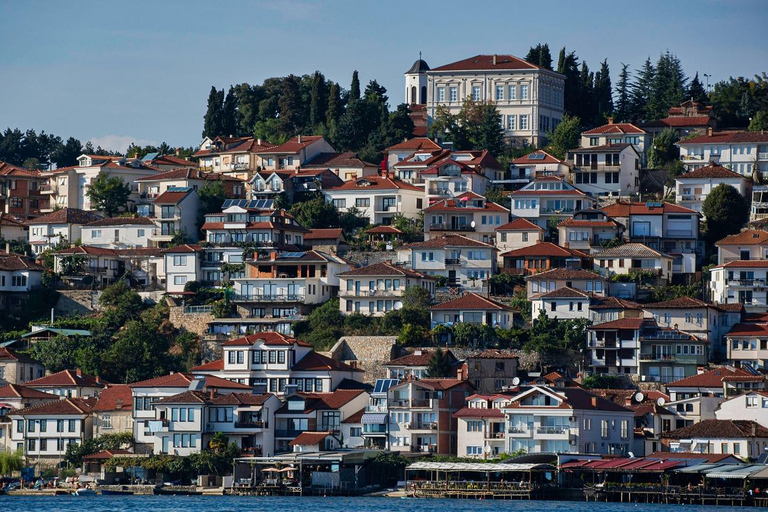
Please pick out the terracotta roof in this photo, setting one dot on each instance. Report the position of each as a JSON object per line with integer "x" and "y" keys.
{"x": 18, "y": 262}
{"x": 309, "y": 438}
{"x": 519, "y": 224}
{"x": 7, "y": 219}
{"x": 385, "y": 230}
{"x": 444, "y": 383}
{"x": 415, "y": 144}
{"x": 744, "y": 264}
{"x": 622, "y": 323}
{"x": 66, "y": 406}
{"x": 7, "y": 169}
{"x": 268, "y": 338}
{"x": 452, "y": 205}
{"x": 355, "y": 417}
{"x": 621, "y": 209}
{"x": 186, "y": 397}
{"x": 749, "y": 330}
{"x": 486, "y": 62}
{"x": 185, "y": 248}
{"x": 172, "y": 196}
{"x": 88, "y": 249}
{"x": 66, "y": 378}
{"x": 443, "y": 241}
{"x": 182, "y": 380}
{"x": 614, "y": 128}
{"x": 247, "y": 399}
{"x": 470, "y": 301}
{"x": 679, "y": 303}
{"x": 316, "y": 361}
{"x": 576, "y": 223}
{"x": 190, "y": 174}
{"x": 711, "y": 379}
{"x": 605, "y": 148}
{"x": 334, "y": 160}
{"x": 375, "y": 183}
{"x": 325, "y": 401}
{"x": 630, "y": 250}
{"x": 712, "y": 170}
{"x": 728, "y": 138}
{"x": 172, "y": 160}
{"x": 418, "y": 358}
{"x": 676, "y": 122}
{"x": 746, "y": 237}
{"x": 734, "y": 308}
{"x": 578, "y": 399}
{"x": 564, "y": 292}
{"x": 324, "y": 234}
{"x": 7, "y": 354}
{"x": 613, "y": 303}
{"x": 719, "y": 429}
{"x": 115, "y": 398}
{"x": 568, "y": 274}
{"x": 107, "y": 454}
{"x": 212, "y": 366}
{"x": 292, "y": 145}
{"x": 122, "y": 221}
{"x": 543, "y": 192}
{"x": 19, "y": 391}
{"x": 384, "y": 269}
{"x": 548, "y": 159}
{"x": 545, "y": 249}
{"x": 66, "y": 216}
{"x": 478, "y": 412}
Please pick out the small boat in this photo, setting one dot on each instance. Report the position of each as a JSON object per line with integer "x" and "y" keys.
{"x": 175, "y": 492}
{"x": 111, "y": 492}
{"x": 85, "y": 492}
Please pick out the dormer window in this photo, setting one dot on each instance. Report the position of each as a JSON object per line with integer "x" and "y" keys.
{"x": 84, "y": 161}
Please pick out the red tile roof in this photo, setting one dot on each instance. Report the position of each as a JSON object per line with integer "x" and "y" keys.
{"x": 115, "y": 398}
{"x": 292, "y": 145}
{"x": 564, "y": 292}
{"x": 622, "y": 323}
{"x": 486, "y": 62}
{"x": 66, "y": 216}
{"x": 470, "y": 301}
{"x": 415, "y": 144}
{"x": 443, "y": 241}
{"x": 676, "y": 122}
{"x": 316, "y": 361}
{"x": 614, "y": 128}
{"x": 385, "y": 230}
{"x": 453, "y": 205}
{"x": 749, "y": 330}
{"x": 568, "y": 274}
{"x": 385, "y": 269}
{"x": 189, "y": 174}
{"x": 107, "y": 454}
{"x": 418, "y": 358}
{"x": 478, "y": 412}
{"x": 719, "y": 429}
{"x": 18, "y": 262}
{"x": 66, "y": 406}
{"x": 19, "y": 391}
{"x": 335, "y": 160}
{"x": 548, "y": 159}
{"x": 375, "y": 183}
{"x": 728, "y": 138}
{"x": 212, "y": 366}
{"x": 574, "y": 223}
{"x": 270, "y": 338}
{"x": 122, "y": 221}
{"x": 172, "y": 196}
{"x": 679, "y": 303}
{"x": 309, "y": 438}
{"x": 712, "y": 170}
{"x": 186, "y": 248}
{"x": 240, "y": 399}
{"x": 186, "y": 397}
{"x": 744, "y": 264}
{"x": 7, "y": 354}
{"x": 746, "y": 237}
{"x": 324, "y": 234}
{"x": 66, "y": 378}
{"x": 519, "y": 224}
{"x": 711, "y": 379}
{"x": 182, "y": 380}
{"x": 7, "y": 169}
{"x": 621, "y": 209}
{"x": 355, "y": 417}
{"x": 545, "y": 249}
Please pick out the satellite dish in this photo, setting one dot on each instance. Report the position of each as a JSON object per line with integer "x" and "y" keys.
{"x": 631, "y": 455}
{"x": 472, "y": 224}
{"x": 516, "y": 381}
{"x": 660, "y": 401}
{"x": 639, "y": 397}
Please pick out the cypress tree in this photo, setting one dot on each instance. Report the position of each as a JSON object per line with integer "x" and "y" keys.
{"x": 333, "y": 112}
{"x": 603, "y": 92}
{"x": 642, "y": 88}
{"x": 354, "y": 88}
{"x": 230, "y": 117}
{"x": 696, "y": 91}
{"x": 621, "y": 112}
{"x": 318, "y": 100}
{"x": 212, "y": 119}
{"x": 289, "y": 104}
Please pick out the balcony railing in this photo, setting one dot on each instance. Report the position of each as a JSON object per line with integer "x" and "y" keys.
{"x": 552, "y": 430}
{"x": 370, "y": 293}
{"x": 450, "y": 227}
{"x": 439, "y": 191}
{"x": 517, "y": 430}
{"x": 287, "y": 433}
{"x": 657, "y": 357}
{"x": 279, "y": 297}
{"x": 251, "y": 424}
{"x": 762, "y": 156}
{"x": 452, "y": 261}
{"x": 747, "y": 282}
{"x": 375, "y": 408}
{"x": 494, "y": 435}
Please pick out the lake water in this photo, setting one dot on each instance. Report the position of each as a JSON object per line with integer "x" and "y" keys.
{"x": 313, "y": 504}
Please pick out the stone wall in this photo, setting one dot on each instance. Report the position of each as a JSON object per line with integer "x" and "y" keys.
{"x": 77, "y": 302}
{"x": 192, "y": 322}
{"x": 364, "y": 258}
{"x": 369, "y": 353}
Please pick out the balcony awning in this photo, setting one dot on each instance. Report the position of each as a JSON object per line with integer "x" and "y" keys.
{"x": 375, "y": 418}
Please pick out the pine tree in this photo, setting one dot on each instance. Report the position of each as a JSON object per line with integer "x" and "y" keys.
{"x": 439, "y": 365}
{"x": 587, "y": 105}
{"x": 540, "y": 56}
{"x": 696, "y": 91}
{"x": 668, "y": 86}
{"x": 333, "y": 112}
{"x": 603, "y": 96}
{"x": 568, "y": 65}
{"x": 354, "y": 88}
{"x": 230, "y": 117}
{"x": 289, "y": 103}
{"x": 212, "y": 120}
{"x": 621, "y": 112}
{"x": 318, "y": 100}
{"x": 642, "y": 89}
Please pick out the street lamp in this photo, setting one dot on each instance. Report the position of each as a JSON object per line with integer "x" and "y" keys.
{"x": 707, "y": 75}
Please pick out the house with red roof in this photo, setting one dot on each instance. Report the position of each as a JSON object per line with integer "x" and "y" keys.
{"x": 176, "y": 212}
{"x": 693, "y": 187}
{"x": 17, "y": 396}
{"x": 113, "y": 411}
{"x": 376, "y": 289}
{"x": 741, "y": 282}
{"x": 750, "y": 406}
{"x": 610, "y": 170}
{"x": 482, "y": 423}
{"x": 462, "y": 260}
{"x": 266, "y": 184}
{"x": 634, "y": 257}
{"x": 13, "y": 229}
{"x": 528, "y": 97}
{"x": 474, "y": 309}
{"x": 543, "y": 256}
{"x": 378, "y": 198}
{"x": 742, "y": 152}
{"x": 589, "y": 230}
{"x": 231, "y": 156}
{"x": 69, "y": 383}
{"x": 330, "y": 239}
{"x": 416, "y": 146}
{"x": 549, "y": 198}
{"x": 742, "y": 438}
{"x": 347, "y": 166}
{"x": 18, "y": 368}
{"x": 747, "y": 343}
{"x": 690, "y": 118}
{"x": 168, "y": 162}
{"x": 62, "y": 226}
{"x": 748, "y": 244}
{"x": 21, "y": 191}
{"x": 150, "y": 187}
{"x": 18, "y": 276}
{"x": 718, "y": 382}
{"x": 421, "y": 414}
{"x": 469, "y": 213}
{"x": 587, "y": 281}
{"x": 618, "y": 133}
{"x": 293, "y": 153}
{"x": 415, "y": 363}
{"x": 567, "y": 420}
{"x": 451, "y": 178}
{"x": 538, "y": 164}
{"x": 516, "y": 234}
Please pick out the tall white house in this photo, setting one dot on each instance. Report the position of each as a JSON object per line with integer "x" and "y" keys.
{"x": 530, "y": 98}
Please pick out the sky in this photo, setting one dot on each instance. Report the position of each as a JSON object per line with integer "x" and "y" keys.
{"x": 140, "y": 71}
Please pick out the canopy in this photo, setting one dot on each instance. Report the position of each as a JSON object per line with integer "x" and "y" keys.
{"x": 480, "y": 467}
{"x": 374, "y": 418}
{"x": 736, "y": 471}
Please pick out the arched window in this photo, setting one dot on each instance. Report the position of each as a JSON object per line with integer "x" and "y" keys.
{"x": 423, "y": 94}
{"x": 413, "y": 94}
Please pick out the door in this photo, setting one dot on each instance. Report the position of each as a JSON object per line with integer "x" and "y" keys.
{"x": 269, "y": 291}
{"x": 452, "y": 277}
{"x": 292, "y": 292}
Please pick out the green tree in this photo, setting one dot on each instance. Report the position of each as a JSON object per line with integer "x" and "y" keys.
{"x": 109, "y": 194}
{"x": 566, "y": 136}
{"x": 323, "y": 326}
{"x": 439, "y": 365}
{"x": 318, "y": 102}
{"x": 568, "y": 65}
{"x": 603, "y": 96}
{"x": 290, "y": 122}
{"x": 696, "y": 91}
{"x": 10, "y": 462}
{"x": 664, "y": 149}
{"x": 668, "y": 86}
{"x": 622, "y": 102}
{"x": 316, "y": 213}
{"x": 726, "y": 212}
{"x": 642, "y": 90}
{"x": 412, "y": 334}
{"x": 539, "y": 55}
{"x": 354, "y": 88}
{"x": 213, "y": 119}
{"x": 230, "y": 117}
{"x": 352, "y": 128}
{"x": 66, "y": 154}
{"x": 759, "y": 122}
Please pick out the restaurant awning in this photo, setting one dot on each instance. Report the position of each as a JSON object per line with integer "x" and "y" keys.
{"x": 736, "y": 471}
{"x": 480, "y": 467}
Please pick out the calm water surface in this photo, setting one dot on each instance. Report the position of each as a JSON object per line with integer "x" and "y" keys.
{"x": 312, "y": 504}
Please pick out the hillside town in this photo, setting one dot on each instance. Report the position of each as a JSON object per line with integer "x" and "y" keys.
{"x": 578, "y": 298}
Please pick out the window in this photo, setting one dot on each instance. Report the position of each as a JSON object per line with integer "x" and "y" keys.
{"x": 340, "y": 203}
{"x": 179, "y": 280}
{"x": 140, "y": 233}
{"x": 71, "y": 425}
{"x": 441, "y": 94}
{"x": 96, "y": 233}
{"x": 363, "y": 202}
{"x": 524, "y": 122}
{"x": 179, "y": 261}
{"x": 523, "y": 92}
{"x": 453, "y": 94}
{"x": 499, "y": 92}
{"x": 106, "y": 421}
{"x": 511, "y": 122}
{"x": 19, "y": 280}
{"x": 475, "y": 93}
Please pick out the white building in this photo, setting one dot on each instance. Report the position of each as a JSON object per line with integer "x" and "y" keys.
{"x": 751, "y": 406}
{"x": 452, "y": 178}
{"x": 609, "y": 170}
{"x": 742, "y": 438}
{"x": 529, "y": 98}
{"x": 741, "y": 282}
{"x": 61, "y": 226}
{"x": 377, "y": 289}
{"x": 118, "y": 232}
{"x": 377, "y": 198}
{"x": 693, "y": 187}
{"x": 182, "y": 264}
{"x": 410, "y": 148}
{"x": 472, "y": 308}
{"x": 634, "y": 257}
{"x": 233, "y": 156}
{"x": 538, "y": 164}
{"x": 482, "y": 423}
{"x": 747, "y": 245}
{"x": 741, "y": 152}
{"x": 176, "y": 212}
{"x": 618, "y": 133}
{"x": 516, "y": 234}
{"x": 548, "y": 198}
{"x": 469, "y": 213}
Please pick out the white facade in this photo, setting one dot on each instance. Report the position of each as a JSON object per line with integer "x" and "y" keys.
{"x": 610, "y": 170}
{"x": 131, "y": 234}
{"x": 738, "y": 151}
{"x": 741, "y": 282}
{"x": 547, "y": 198}
{"x": 463, "y": 261}
{"x": 182, "y": 264}
{"x": 692, "y": 189}
{"x": 752, "y": 406}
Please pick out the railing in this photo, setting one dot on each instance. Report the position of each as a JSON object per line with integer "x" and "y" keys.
{"x": 251, "y": 424}
{"x": 557, "y": 210}
{"x": 287, "y": 433}
{"x": 657, "y": 357}
{"x": 429, "y": 448}
{"x": 679, "y": 232}
{"x": 198, "y": 309}
{"x": 370, "y": 293}
{"x": 375, "y": 408}
{"x": 552, "y": 430}
{"x": 517, "y": 430}
{"x": 280, "y": 297}
{"x": 450, "y": 227}
{"x": 494, "y": 435}
{"x": 47, "y": 189}
{"x": 746, "y": 282}
{"x": 452, "y": 261}
{"x": 762, "y": 156}
{"x": 598, "y": 167}
{"x": 371, "y": 428}
{"x": 421, "y": 403}
{"x": 439, "y": 191}
{"x": 239, "y": 166}
{"x": 691, "y": 197}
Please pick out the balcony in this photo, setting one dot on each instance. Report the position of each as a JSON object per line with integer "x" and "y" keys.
{"x": 443, "y": 192}
{"x": 598, "y": 167}
{"x": 450, "y": 227}
{"x": 288, "y": 433}
{"x": 762, "y": 156}
{"x": 518, "y": 431}
{"x": 424, "y": 426}
{"x": 239, "y": 166}
{"x": 375, "y": 408}
{"x": 552, "y": 430}
{"x": 47, "y": 189}
{"x": 279, "y": 297}
{"x": 747, "y": 283}
{"x": 387, "y": 208}
{"x": 452, "y": 261}
{"x": 251, "y": 424}
{"x": 657, "y": 357}
{"x": 370, "y": 293}
{"x": 692, "y": 197}
{"x": 494, "y": 435}
{"x": 421, "y": 403}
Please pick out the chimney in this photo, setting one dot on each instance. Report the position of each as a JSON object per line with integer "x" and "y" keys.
{"x": 594, "y": 401}
{"x": 178, "y": 151}
{"x": 709, "y": 131}
{"x": 98, "y": 380}
{"x": 258, "y": 142}
{"x": 79, "y": 372}
{"x": 7, "y": 247}
{"x": 610, "y": 120}
{"x": 211, "y": 393}
{"x": 119, "y": 404}
{"x": 299, "y": 139}
{"x": 494, "y": 59}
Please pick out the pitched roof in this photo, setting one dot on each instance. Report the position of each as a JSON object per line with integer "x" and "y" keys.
{"x": 415, "y": 144}
{"x": 182, "y": 380}
{"x": 316, "y": 361}
{"x": 461, "y": 204}
{"x": 487, "y": 62}
{"x": 19, "y": 391}
{"x": 66, "y": 378}
{"x": 309, "y": 438}
{"x": 77, "y": 406}
{"x": 66, "y": 216}
{"x": 605, "y": 148}
{"x": 548, "y": 159}
{"x": 7, "y": 354}
{"x": 18, "y": 262}
{"x": 478, "y": 412}
{"x": 630, "y": 250}
{"x": 190, "y": 174}
{"x": 622, "y": 209}
{"x": 386, "y": 230}
{"x": 215, "y": 365}
{"x": 186, "y": 397}
{"x": 470, "y": 301}
{"x": 678, "y": 303}
{"x": 579, "y": 399}
{"x": 728, "y": 138}
{"x": 614, "y": 128}
{"x": 448, "y": 240}
{"x": 745, "y": 237}
{"x": 568, "y": 274}
{"x": 240, "y": 399}
{"x": 565, "y": 292}
{"x": 333, "y": 160}
{"x": 744, "y": 264}
{"x": 185, "y": 248}
{"x": 384, "y": 269}
{"x": 324, "y": 234}
{"x": 375, "y": 183}
{"x": 172, "y": 196}
{"x": 418, "y": 358}
{"x": 115, "y": 398}
{"x": 122, "y": 221}
{"x": 720, "y": 429}
{"x": 519, "y": 224}
{"x": 749, "y": 330}
{"x": 268, "y": 338}
{"x": 7, "y": 169}
{"x": 582, "y": 223}
{"x": 713, "y": 170}
{"x": 292, "y": 145}
{"x": 622, "y": 323}
{"x": 545, "y": 249}
{"x": 354, "y": 418}
{"x": 613, "y": 303}
{"x": 107, "y": 454}
{"x": 711, "y": 379}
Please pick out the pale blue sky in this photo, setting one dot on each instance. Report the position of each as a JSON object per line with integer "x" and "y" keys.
{"x": 116, "y": 72}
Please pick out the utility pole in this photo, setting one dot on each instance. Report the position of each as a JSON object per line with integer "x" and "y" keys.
{"x": 707, "y": 75}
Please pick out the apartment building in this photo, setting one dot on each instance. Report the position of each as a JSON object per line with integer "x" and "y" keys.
{"x": 21, "y": 191}
{"x": 543, "y": 256}
{"x": 12, "y": 229}
{"x": 567, "y": 420}
{"x": 118, "y": 232}
{"x": 538, "y": 164}
{"x": 232, "y": 156}
{"x": 529, "y": 98}
{"x": 451, "y": 178}
{"x": 269, "y": 184}
{"x": 693, "y": 187}
{"x": 377, "y": 289}
{"x": 176, "y": 213}
{"x": 747, "y": 343}
{"x": 751, "y": 406}
{"x": 421, "y": 415}
{"x": 474, "y": 309}
{"x": 375, "y": 419}
{"x": 548, "y": 199}
{"x": 470, "y": 214}
{"x": 634, "y": 257}
{"x": 747, "y": 245}
{"x": 62, "y": 226}
{"x": 481, "y": 426}
{"x": 293, "y": 153}
{"x": 589, "y": 230}
{"x": 618, "y": 133}
{"x": 742, "y": 152}
{"x": 465, "y": 262}
{"x": 377, "y": 198}
{"x": 586, "y": 281}
{"x": 741, "y": 282}
{"x": 563, "y": 303}
{"x": 492, "y": 370}
{"x": 150, "y": 187}
{"x": 742, "y": 438}
{"x": 610, "y": 170}
{"x": 516, "y": 234}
